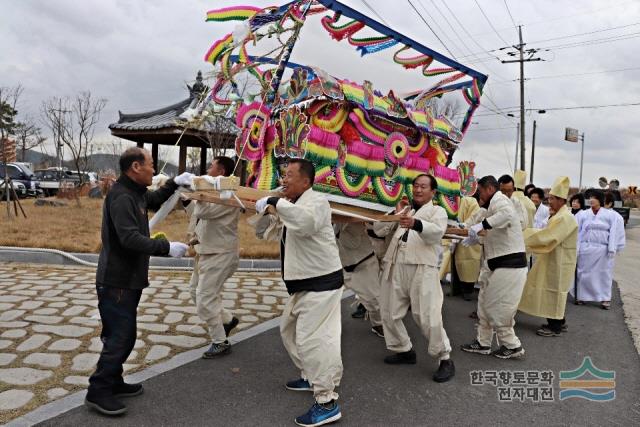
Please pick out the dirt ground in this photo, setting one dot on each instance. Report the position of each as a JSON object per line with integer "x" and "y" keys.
{"x": 77, "y": 229}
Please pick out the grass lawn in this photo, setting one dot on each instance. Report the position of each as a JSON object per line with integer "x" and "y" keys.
{"x": 77, "y": 229}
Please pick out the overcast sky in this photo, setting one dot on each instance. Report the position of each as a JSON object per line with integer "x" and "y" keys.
{"x": 140, "y": 54}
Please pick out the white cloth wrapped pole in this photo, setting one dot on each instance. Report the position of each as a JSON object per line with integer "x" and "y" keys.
{"x": 165, "y": 208}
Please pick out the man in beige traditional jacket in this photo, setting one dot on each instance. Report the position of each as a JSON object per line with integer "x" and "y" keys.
{"x": 507, "y": 187}
{"x": 410, "y": 279}
{"x": 501, "y": 290}
{"x": 215, "y": 234}
{"x": 311, "y": 320}
{"x": 361, "y": 269}
{"x": 553, "y": 272}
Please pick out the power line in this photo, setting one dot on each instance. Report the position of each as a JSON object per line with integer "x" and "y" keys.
{"x": 587, "y": 33}
{"x": 473, "y": 39}
{"x": 586, "y": 107}
{"x": 555, "y": 76}
{"x": 594, "y": 41}
{"x": 504, "y": 111}
{"x": 435, "y": 21}
{"x": 510, "y": 15}
{"x": 569, "y": 36}
{"x": 375, "y": 13}
{"x": 489, "y": 22}
{"x": 459, "y": 39}
{"x": 558, "y": 18}
{"x": 434, "y": 33}
{"x": 488, "y": 129}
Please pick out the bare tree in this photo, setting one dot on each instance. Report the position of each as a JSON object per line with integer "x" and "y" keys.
{"x": 193, "y": 160}
{"x": 114, "y": 149}
{"x": 28, "y": 136}
{"x": 73, "y": 122}
{"x": 220, "y": 134}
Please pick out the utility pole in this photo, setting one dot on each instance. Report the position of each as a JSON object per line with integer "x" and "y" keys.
{"x": 581, "y": 160}
{"x": 533, "y": 151}
{"x": 521, "y": 59}
{"x": 515, "y": 160}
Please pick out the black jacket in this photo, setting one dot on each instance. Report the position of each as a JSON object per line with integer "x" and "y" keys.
{"x": 126, "y": 246}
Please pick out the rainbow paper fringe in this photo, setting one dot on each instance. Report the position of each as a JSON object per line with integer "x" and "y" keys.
{"x": 386, "y": 196}
{"x": 253, "y": 121}
{"x": 352, "y": 186}
{"x": 218, "y": 48}
{"x": 322, "y": 146}
{"x": 331, "y": 121}
{"x": 233, "y": 13}
{"x": 450, "y": 204}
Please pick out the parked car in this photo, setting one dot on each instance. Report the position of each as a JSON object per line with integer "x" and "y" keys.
{"x": 50, "y": 179}
{"x": 20, "y": 172}
{"x": 20, "y": 188}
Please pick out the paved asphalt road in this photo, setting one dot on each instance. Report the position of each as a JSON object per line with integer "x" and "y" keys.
{"x": 213, "y": 393}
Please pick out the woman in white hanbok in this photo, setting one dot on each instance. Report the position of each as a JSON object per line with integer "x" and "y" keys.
{"x": 600, "y": 238}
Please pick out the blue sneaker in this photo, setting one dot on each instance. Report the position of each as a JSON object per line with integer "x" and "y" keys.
{"x": 299, "y": 385}
{"x": 319, "y": 415}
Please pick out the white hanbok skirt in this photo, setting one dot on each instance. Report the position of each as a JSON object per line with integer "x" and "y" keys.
{"x": 594, "y": 273}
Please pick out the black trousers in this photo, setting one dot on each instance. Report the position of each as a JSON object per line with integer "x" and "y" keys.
{"x": 118, "y": 310}
{"x": 556, "y": 324}
{"x": 459, "y": 287}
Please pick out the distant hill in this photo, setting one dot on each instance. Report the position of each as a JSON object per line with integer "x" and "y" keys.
{"x": 98, "y": 162}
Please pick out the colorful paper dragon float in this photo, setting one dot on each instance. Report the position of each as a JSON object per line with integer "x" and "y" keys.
{"x": 366, "y": 146}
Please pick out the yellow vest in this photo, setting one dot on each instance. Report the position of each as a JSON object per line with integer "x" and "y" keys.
{"x": 468, "y": 257}
{"x": 545, "y": 292}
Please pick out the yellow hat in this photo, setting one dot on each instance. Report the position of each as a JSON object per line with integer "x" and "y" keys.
{"x": 560, "y": 187}
{"x": 520, "y": 179}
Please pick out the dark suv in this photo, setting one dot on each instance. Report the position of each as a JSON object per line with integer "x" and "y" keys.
{"x": 21, "y": 173}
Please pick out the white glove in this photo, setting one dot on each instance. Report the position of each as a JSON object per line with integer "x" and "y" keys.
{"x": 184, "y": 178}
{"x": 476, "y": 228}
{"x": 177, "y": 249}
{"x": 611, "y": 254}
{"x": 261, "y": 204}
{"x": 471, "y": 240}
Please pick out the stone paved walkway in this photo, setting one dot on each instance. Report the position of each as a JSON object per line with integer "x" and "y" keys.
{"x": 50, "y": 326}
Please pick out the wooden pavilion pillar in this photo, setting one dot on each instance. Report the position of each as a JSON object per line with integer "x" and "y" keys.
{"x": 182, "y": 160}
{"x": 154, "y": 156}
{"x": 203, "y": 160}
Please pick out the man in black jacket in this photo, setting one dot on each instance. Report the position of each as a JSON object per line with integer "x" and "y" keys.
{"x": 123, "y": 269}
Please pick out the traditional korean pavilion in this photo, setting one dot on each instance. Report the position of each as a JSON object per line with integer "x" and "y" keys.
{"x": 165, "y": 125}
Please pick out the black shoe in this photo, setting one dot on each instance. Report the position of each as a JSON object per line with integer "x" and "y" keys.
{"x": 563, "y": 328}
{"x": 407, "y": 357}
{"x": 217, "y": 349}
{"x": 467, "y": 297}
{"x": 127, "y": 390}
{"x": 107, "y": 405}
{"x": 445, "y": 372}
{"x": 228, "y": 327}
{"x": 546, "y": 331}
{"x": 360, "y": 312}
{"x": 475, "y": 347}
{"x": 509, "y": 353}
{"x": 378, "y": 331}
